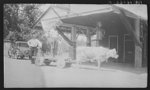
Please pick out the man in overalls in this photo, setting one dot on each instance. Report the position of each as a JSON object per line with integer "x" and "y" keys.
{"x": 35, "y": 46}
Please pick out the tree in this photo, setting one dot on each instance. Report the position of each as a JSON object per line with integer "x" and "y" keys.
{"x": 10, "y": 18}
{"x": 19, "y": 18}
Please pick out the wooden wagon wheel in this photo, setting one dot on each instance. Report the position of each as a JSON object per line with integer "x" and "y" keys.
{"x": 47, "y": 62}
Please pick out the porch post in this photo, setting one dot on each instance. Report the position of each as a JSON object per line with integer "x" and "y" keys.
{"x": 73, "y": 47}
{"x": 138, "y": 49}
{"x": 99, "y": 33}
{"x": 97, "y": 36}
{"x": 88, "y": 43}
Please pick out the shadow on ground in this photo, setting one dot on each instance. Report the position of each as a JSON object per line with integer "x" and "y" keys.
{"x": 120, "y": 66}
{"x": 110, "y": 66}
{"x": 125, "y": 67}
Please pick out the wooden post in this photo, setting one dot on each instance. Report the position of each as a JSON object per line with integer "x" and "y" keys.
{"x": 88, "y": 43}
{"x": 97, "y": 43}
{"x": 123, "y": 48}
{"x": 138, "y": 49}
{"x": 138, "y": 56}
{"x": 97, "y": 37}
{"x": 145, "y": 47}
{"x": 99, "y": 33}
{"x": 65, "y": 37}
{"x": 73, "y": 47}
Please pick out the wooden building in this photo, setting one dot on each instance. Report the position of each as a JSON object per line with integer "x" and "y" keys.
{"x": 122, "y": 30}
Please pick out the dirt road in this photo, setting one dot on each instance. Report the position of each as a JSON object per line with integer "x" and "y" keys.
{"x": 21, "y": 73}
{"x": 24, "y": 74}
{"x": 74, "y": 77}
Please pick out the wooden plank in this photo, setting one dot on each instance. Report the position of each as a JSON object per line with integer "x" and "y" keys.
{"x": 97, "y": 37}
{"x": 124, "y": 47}
{"x": 73, "y": 39}
{"x": 37, "y": 21}
{"x": 65, "y": 37}
{"x": 138, "y": 50}
{"x": 138, "y": 57}
{"x": 145, "y": 47}
{"x": 88, "y": 35}
{"x": 79, "y": 26}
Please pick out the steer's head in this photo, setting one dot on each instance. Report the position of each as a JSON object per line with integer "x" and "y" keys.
{"x": 112, "y": 53}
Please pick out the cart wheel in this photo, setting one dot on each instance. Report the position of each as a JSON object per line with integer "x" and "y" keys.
{"x": 68, "y": 64}
{"x": 61, "y": 63}
{"x": 47, "y": 62}
{"x": 32, "y": 61}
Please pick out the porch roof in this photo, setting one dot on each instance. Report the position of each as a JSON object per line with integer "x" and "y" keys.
{"x": 109, "y": 20}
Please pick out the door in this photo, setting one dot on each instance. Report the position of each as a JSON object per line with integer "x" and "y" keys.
{"x": 113, "y": 42}
{"x": 129, "y": 50}
{"x": 144, "y": 59}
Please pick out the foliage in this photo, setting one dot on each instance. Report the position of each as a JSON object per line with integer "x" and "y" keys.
{"x": 19, "y": 18}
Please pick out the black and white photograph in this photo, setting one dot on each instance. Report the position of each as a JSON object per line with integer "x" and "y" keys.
{"x": 75, "y": 45}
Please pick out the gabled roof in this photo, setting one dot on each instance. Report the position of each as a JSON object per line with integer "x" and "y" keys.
{"x": 104, "y": 10}
{"x": 90, "y": 19}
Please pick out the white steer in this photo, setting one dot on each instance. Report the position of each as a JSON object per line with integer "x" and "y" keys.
{"x": 99, "y": 54}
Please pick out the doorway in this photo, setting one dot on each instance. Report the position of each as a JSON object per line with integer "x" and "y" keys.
{"x": 129, "y": 49}
{"x": 144, "y": 59}
{"x": 113, "y": 43}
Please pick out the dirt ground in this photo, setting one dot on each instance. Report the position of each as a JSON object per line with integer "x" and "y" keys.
{"x": 21, "y": 73}
{"x": 24, "y": 74}
{"x": 87, "y": 77}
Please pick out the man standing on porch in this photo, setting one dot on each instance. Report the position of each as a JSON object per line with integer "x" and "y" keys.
{"x": 100, "y": 33}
